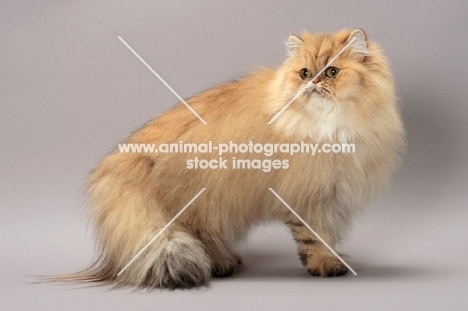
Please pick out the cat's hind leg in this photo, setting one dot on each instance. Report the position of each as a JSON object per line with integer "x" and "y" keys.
{"x": 224, "y": 260}
{"x": 128, "y": 215}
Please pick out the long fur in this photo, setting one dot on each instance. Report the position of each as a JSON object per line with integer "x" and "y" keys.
{"x": 132, "y": 196}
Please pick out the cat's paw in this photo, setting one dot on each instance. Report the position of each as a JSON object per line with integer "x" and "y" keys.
{"x": 238, "y": 258}
{"x": 220, "y": 271}
{"x": 226, "y": 267}
{"x": 329, "y": 266}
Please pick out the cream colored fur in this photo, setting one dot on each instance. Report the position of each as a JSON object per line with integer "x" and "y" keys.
{"x": 132, "y": 196}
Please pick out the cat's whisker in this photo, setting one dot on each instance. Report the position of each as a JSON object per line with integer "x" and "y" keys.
{"x": 333, "y": 97}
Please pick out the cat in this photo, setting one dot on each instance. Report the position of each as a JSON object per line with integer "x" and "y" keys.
{"x": 134, "y": 195}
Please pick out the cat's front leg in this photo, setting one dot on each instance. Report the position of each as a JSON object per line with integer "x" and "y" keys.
{"x": 314, "y": 256}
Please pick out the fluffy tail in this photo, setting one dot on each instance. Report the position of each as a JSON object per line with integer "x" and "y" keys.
{"x": 127, "y": 216}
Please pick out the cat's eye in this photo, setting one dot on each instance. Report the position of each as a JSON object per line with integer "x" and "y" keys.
{"x": 332, "y": 72}
{"x": 305, "y": 73}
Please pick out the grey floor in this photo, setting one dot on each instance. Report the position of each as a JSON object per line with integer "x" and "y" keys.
{"x": 404, "y": 262}
{"x": 70, "y": 91}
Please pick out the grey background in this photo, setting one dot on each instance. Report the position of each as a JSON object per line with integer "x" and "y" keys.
{"x": 70, "y": 91}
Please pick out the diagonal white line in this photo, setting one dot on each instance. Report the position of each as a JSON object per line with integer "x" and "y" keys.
{"x": 290, "y": 102}
{"x": 159, "y": 233}
{"x": 162, "y": 80}
{"x": 312, "y": 230}
{"x": 332, "y": 60}
{"x": 310, "y": 83}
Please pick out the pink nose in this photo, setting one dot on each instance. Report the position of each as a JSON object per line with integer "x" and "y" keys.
{"x": 316, "y": 81}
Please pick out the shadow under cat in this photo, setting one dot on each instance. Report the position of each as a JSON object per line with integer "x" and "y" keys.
{"x": 258, "y": 267}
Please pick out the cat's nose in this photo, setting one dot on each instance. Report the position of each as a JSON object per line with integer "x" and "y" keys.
{"x": 317, "y": 80}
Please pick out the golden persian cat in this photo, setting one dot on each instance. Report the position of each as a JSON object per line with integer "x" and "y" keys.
{"x": 134, "y": 195}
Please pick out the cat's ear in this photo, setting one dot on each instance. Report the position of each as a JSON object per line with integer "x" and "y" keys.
{"x": 359, "y": 44}
{"x": 293, "y": 44}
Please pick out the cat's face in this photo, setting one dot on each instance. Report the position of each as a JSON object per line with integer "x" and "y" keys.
{"x": 343, "y": 82}
{"x": 350, "y": 94}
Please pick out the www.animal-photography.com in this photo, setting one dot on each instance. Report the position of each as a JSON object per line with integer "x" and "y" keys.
{"x": 233, "y": 155}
